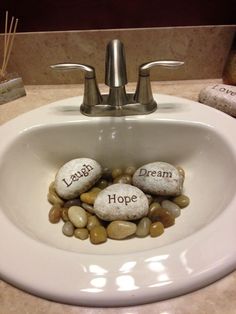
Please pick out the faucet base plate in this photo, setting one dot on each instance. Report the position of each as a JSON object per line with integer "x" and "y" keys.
{"x": 129, "y": 109}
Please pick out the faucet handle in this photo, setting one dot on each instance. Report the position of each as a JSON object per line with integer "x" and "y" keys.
{"x": 143, "y": 94}
{"x": 92, "y": 94}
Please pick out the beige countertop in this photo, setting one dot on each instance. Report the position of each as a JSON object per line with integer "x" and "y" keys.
{"x": 219, "y": 297}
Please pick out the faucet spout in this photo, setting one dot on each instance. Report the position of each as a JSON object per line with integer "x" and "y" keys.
{"x": 115, "y": 73}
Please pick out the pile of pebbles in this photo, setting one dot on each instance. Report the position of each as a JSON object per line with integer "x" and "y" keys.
{"x": 99, "y": 203}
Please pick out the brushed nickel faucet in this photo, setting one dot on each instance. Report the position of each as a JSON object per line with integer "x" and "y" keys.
{"x": 118, "y": 102}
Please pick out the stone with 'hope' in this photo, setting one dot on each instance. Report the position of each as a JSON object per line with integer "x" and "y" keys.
{"x": 77, "y": 176}
{"x": 159, "y": 178}
{"x": 121, "y": 202}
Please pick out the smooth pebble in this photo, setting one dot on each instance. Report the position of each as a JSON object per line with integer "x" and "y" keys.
{"x": 173, "y": 208}
{"x": 123, "y": 178}
{"x": 143, "y": 227}
{"x": 182, "y": 201}
{"x": 88, "y": 208}
{"x": 159, "y": 178}
{"x": 78, "y": 216}
{"x": 90, "y": 196}
{"x": 116, "y": 172}
{"x": 162, "y": 215}
{"x": 121, "y": 202}
{"x": 121, "y": 229}
{"x": 77, "y": 176}
{"x": 64, "y": 214}
{"x": 54, "y": 199}
{"x": 54, "y": 215}
{"x": 73, "y": 202}
{"x": 92, "y": 222}
{"x": 81, "y": 233}
{"x": 98, "y": 235}
{"x": 130, "y": 170}
{"x": 68, "y": 229}
{"x": 156, "y": 229}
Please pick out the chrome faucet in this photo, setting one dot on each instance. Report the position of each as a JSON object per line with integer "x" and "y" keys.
{"x": 117, "y": 102}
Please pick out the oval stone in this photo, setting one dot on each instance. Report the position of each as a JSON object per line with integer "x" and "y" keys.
{"x": 121, "y": 201}
{"x": 77, "y": 176}
{"x": 119, "y": 229}
{"x": 159, "y": 178}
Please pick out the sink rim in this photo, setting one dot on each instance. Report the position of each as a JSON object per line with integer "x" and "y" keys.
{"x": 169, "y": 288}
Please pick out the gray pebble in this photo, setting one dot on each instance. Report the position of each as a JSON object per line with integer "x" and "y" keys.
{"x": 68, "y": 229}
{"x": 172, "y": 208}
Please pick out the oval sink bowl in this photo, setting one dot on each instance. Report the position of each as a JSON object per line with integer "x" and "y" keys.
{"x": 197, "y": 250}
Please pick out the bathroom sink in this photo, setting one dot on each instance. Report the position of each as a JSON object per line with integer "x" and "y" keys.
{"x": 197, "y": 250}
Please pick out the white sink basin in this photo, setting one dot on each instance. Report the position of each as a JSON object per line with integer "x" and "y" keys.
{"x": 197, "y": 250}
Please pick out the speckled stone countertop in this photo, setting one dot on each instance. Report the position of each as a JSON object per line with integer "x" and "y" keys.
{"x": 219, "y": 297}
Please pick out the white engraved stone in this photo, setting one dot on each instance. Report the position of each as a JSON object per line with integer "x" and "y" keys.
{"x": 77, "y": 176}
{"x": 121, "y": 202}
{"x": 221, "y": 97}
{"x": 159, "y": 178}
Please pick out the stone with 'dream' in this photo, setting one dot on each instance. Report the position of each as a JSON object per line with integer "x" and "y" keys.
{"x": 159, "y": 178}
{"x": 77, "y": 176}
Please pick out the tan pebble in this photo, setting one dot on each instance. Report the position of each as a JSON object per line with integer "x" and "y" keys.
{"x": 98, "y": 235}
{"x": 106, "y": 173}
{"x": 92, "y": 222}
{"x": 156, "y": 229}
{"x": 90, "y": 196}
{"x": 181, "y": 171}
{"x": 130, "y": 170}
{"x": 102, "y": 184}
{"x": 120, "y": 229}
{"x": 64, "y": 214}
{"x": 143, "y": 227}
{"x": 54, "y": 215}
{"x": 78, "y": 216}
{"x": 54, "y": 199}
{"x": 81, "y": 233}
{"x": 52, "y": 187}
{"x": 116, "y": 172}
{"x": 153, "y": 206}
{"x": 124, "y": 178}
{"x": 162, "y": 215}
{"x": 182, "y": 201}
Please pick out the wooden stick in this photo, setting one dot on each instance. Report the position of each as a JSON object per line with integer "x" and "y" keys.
{"x": 10, "y": 45}
{"x": 5, "y": 36}
{"x": 5, "y": 44}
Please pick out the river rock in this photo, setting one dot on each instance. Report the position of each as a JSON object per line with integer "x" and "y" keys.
{"x": 77, "y": 176}
{"x": 121, "y": 202}
{"x": 159, "y": 178}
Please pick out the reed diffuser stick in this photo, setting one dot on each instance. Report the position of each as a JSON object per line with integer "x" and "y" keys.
{"x": 9, "y": 37}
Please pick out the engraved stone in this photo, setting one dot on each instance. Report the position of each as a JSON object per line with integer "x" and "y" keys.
{"x": 221, "y": 97}
{"x": 159, "y": 178}
{"x": 77, "y": 176}
{"x": 121, "y": 202}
